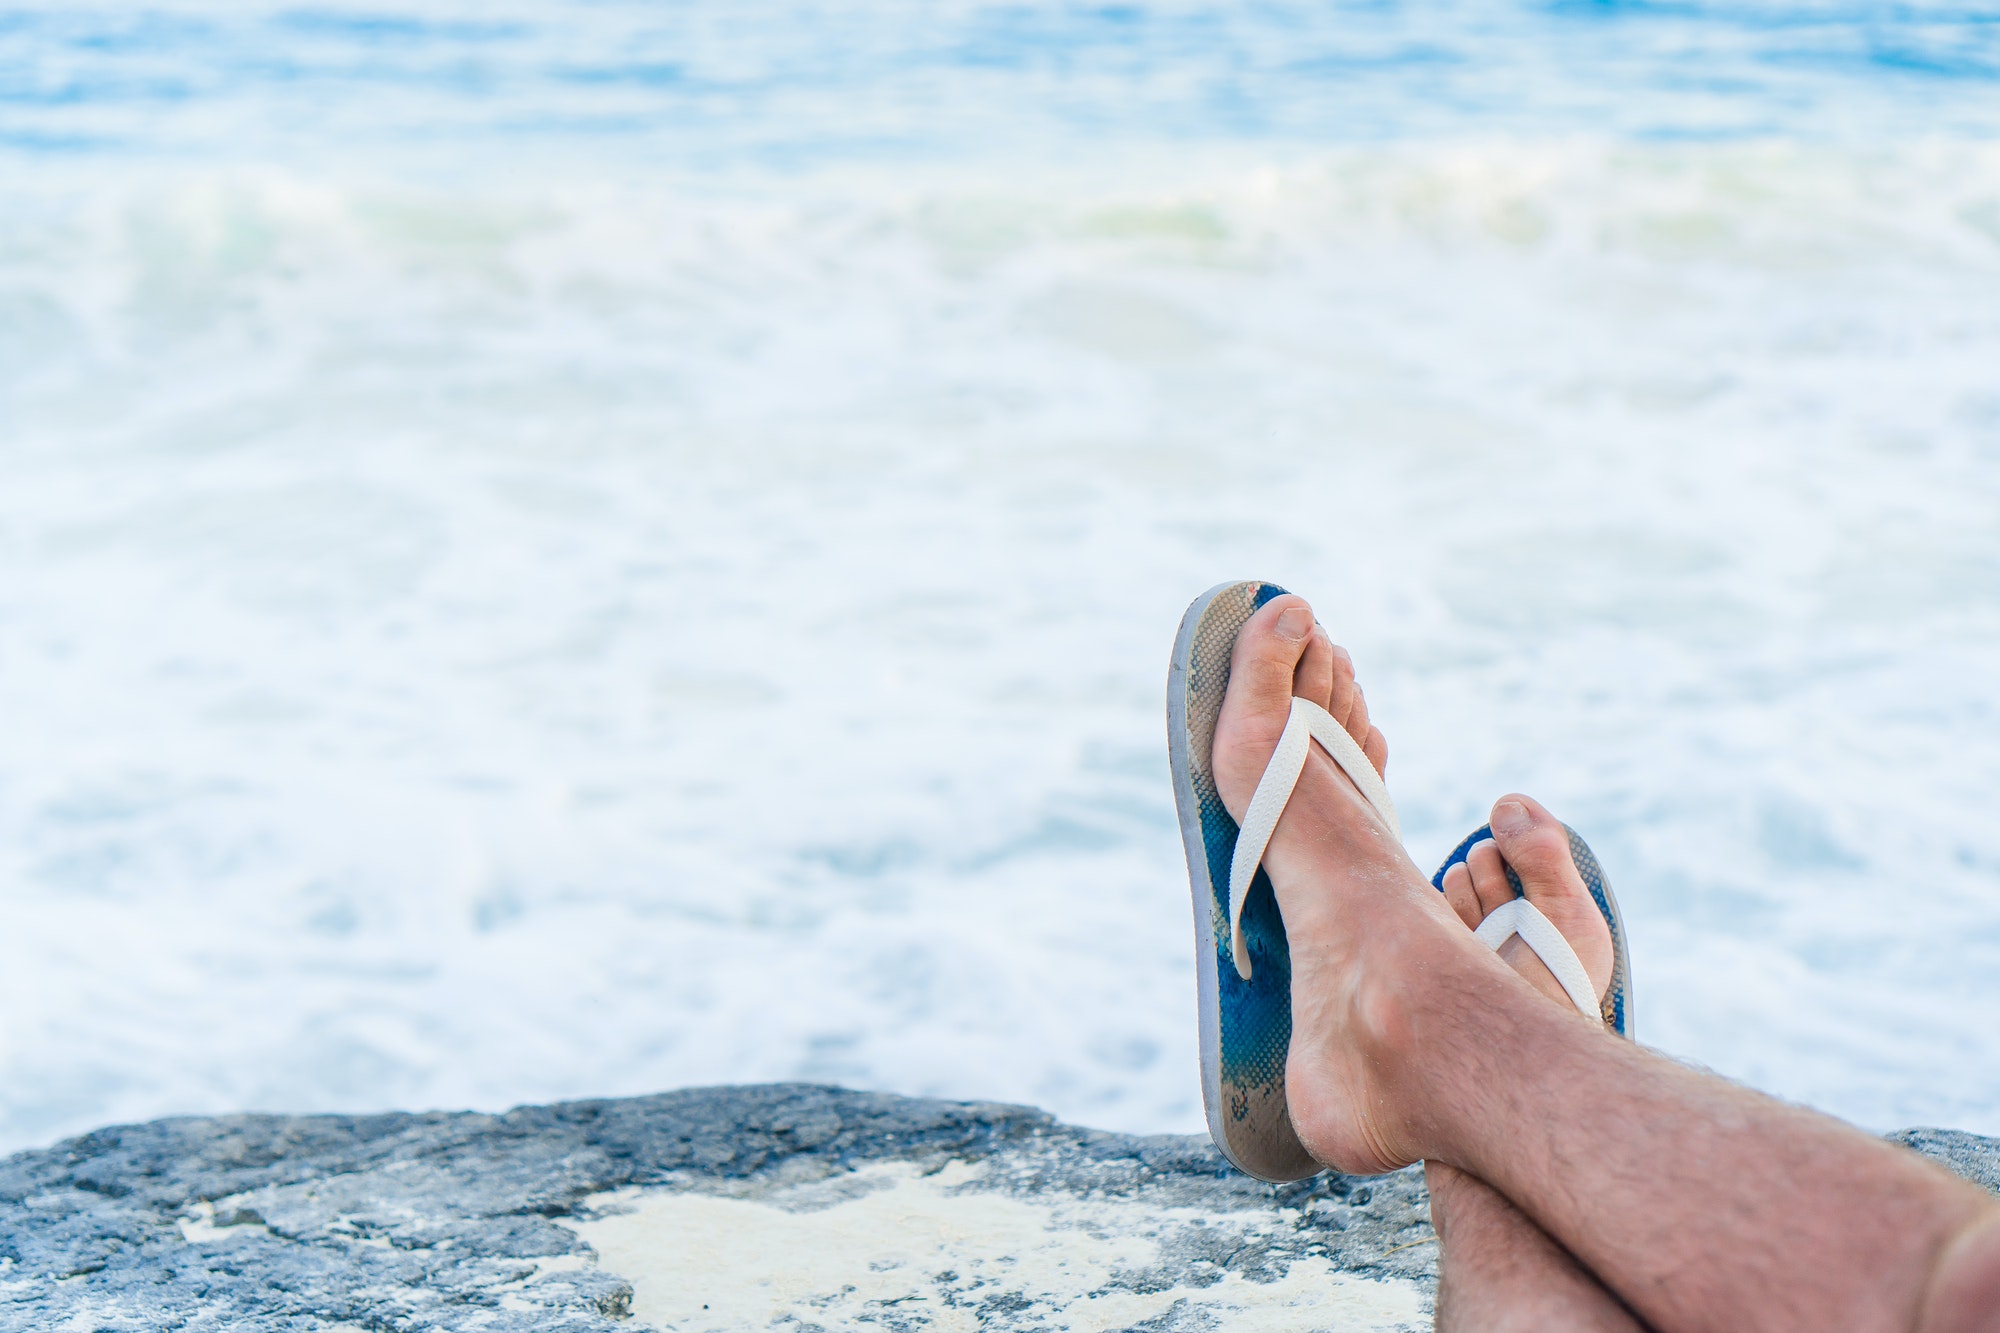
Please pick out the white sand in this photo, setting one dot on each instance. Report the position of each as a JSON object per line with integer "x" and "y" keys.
{"x": 937, "y": 1248}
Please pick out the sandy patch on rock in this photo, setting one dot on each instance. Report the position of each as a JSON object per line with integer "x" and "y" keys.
{"x": 891, "y": 1246}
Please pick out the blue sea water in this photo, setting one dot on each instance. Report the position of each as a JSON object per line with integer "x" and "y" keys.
{"x": 778, "y": 83}
{"x": 558, "y": 550}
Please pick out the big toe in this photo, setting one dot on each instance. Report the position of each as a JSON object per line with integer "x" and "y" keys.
{"x": 1265, "y": 662}
{"x": 1535, "y": 845}
{"x": 1274, "y": 649}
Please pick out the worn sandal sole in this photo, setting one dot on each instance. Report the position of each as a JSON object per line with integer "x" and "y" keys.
{"x": 1246, "y": 1026}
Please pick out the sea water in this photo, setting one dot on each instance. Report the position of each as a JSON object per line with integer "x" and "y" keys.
{"x": 568, "y": 550}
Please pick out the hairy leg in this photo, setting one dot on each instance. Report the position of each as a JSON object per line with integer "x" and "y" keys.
{"x": 1497, "y": 1271}
{"x": 1965, "y": 1296}
{"x": 1701, "y": 1204}
{"x": 1500, "y": 1273}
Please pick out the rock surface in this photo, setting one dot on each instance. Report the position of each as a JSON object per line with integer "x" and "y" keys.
{"x": 708, "y": 1208}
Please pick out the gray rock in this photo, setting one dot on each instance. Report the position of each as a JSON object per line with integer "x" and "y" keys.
{"x": 1975, "y": 1158}
{"x": 575, "y": 1217}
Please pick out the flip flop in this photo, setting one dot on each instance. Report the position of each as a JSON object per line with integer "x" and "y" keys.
{"x": 1245, "y": 1015}
{"x": 1615, "y": 1010}
{"x": 1242, "y": 962}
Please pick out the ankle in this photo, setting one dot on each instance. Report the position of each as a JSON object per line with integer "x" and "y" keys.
{"x": 1383, "y": 995}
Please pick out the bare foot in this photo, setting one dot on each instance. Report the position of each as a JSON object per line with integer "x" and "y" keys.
{"x": 1682, "y": 1193}
{"x": 1535, "y": 845}
{"x": 1343, "y": 882}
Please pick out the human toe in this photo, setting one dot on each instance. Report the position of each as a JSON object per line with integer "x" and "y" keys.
{"x": 1265, "y": 660}
{"x": 1313, "y": 678}
{"x": 1341, "y": 705}
{"x": 1464, "y": 899}
{"x": 1376, "y": 746}
{"x": 1263, "y": 669}
{"x": 1488, "y": 871}
{"x": 1349, "y": 707}
{"x": 1535, "y": 845}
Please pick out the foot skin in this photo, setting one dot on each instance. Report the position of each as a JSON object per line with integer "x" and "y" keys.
{"x": 1533, "y": 842}
{"x": 1501, "y": 1271}
{"x": 1341, "y": 879}
{"x": 1497, "y": 1271}
{"x": 1411, "y": 1040}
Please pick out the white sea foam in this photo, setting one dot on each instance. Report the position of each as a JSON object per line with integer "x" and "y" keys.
{"x": 544, "y": 638}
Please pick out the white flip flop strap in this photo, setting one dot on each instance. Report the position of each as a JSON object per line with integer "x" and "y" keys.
{"x": 1308, "y": 722}
{"x": 1523, "y": 918}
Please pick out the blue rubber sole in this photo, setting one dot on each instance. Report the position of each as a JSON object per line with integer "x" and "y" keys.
{"x": 1245, "y": 1026}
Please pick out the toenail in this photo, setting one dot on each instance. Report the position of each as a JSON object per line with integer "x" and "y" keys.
{"x": 1511, "y": 817}
{"x": 1295, "y": 623}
